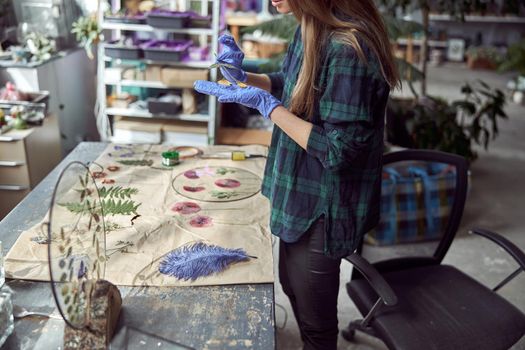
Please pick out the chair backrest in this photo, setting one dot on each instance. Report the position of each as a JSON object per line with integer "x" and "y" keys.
{"x": 422, "y": 199}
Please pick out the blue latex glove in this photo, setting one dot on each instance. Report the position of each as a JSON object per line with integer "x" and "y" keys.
{"x": 249, "y": 96}
{"x": 231, "y": 54}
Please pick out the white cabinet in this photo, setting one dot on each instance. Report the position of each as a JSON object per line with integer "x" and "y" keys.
{"x": 26, "y": 157}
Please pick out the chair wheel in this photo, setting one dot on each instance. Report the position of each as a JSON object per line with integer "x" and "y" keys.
{"x": 348, "y": 334}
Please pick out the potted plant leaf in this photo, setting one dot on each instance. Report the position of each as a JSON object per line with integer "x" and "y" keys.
{"x": 88, "y": 33}
{"x": 515, "y": 61}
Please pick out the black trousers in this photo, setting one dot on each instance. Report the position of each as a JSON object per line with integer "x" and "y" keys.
{"x": 311, "y": 281}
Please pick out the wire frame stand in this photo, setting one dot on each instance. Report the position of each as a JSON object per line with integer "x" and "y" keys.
{"x": 89, "y": 305}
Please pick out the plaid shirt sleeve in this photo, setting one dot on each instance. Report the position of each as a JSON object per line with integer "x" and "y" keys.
{"x": 346, "y": 110}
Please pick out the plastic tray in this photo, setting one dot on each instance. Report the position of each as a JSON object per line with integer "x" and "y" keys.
{"x": 163, "y": 50}
{"x": 198, "y": 21}
{"x": 167, "y": 19}
{"x": 139, "y": 19}
{"x": 115, "y": 50}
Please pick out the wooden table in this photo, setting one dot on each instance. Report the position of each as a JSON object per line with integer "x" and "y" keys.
{"x": 213, "y": 317}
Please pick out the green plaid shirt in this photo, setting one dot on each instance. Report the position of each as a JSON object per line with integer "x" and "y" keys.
{"x": 338, "y": 177}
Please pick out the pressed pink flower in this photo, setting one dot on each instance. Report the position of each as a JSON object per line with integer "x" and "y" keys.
{"x": 194, "y": 189}
{"x": 227, "y": 183}
{"x": 191, "y": 174}
{"x": 113, "y": 168}
{"x": 186, "y": 208}
{"x": 201, "y": 221}
{"x": 205, "y": 171}
{"x": 98, "y": 174}
{"x": 108, "y": 181}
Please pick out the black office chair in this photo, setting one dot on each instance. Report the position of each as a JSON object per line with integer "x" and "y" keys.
{"x": 409, "y": 298}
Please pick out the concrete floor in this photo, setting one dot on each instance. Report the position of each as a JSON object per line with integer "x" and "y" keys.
{"x": 496, "y": 202}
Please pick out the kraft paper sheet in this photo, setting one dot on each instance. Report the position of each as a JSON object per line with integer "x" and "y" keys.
{"x": 159, "y": 229}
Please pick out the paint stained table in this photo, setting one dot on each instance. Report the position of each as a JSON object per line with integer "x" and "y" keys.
{"x": 209, "y": 317}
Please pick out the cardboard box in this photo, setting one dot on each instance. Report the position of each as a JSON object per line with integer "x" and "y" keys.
{"x": 136, "y": 130}
{"x": 153, "y": 73}
{"x": 185, "y": 133}
{"x": 183, "y": 78}
{"x": 133, "y": 74}
{"x": 241, "y": 136}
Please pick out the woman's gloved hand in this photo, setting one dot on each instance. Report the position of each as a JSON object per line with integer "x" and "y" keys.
{"x": 233, "y": 56}
{"x": 249, "y": 96}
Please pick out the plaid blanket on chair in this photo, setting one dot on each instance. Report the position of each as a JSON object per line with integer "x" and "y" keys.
{"x": 415, "y": 203}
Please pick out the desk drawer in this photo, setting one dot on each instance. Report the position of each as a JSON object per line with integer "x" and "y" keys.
{"x": 10, "y": 197}
{"x": 14, "y": 173}
{"x": 12, "y": 150}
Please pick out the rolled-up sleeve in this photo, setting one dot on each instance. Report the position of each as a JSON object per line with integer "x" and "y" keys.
{"x": 347, "y": 129}
{"x": 277, "y": 81}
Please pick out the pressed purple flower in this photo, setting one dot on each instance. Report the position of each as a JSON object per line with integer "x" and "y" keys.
{"x": 186, "y": 208}
{"x": 191, "y": 174}
{"x": 193, "y": 189}
{"x": 201, "y": 221}
{"x": 227, "y": 183}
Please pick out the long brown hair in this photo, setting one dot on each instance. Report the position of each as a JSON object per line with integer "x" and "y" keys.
{"x": 321, "y": 18}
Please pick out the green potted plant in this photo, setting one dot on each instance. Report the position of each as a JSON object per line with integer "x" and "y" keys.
{"x": 483, "y": 57}
{"x": 457, "y": 126}
{"x": 515, "y": 61}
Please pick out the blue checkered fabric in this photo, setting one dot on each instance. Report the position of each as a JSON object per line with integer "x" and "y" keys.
{"x": 416, "y": 201}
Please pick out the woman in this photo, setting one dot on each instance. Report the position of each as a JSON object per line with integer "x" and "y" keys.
{"x": 323, "y": 173}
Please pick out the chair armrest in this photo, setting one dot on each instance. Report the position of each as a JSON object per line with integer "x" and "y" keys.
{"x": 504, "y": 243}
{"x": 378, "y": 283}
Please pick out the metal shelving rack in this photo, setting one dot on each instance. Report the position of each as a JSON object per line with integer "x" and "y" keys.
{"x": 211, "y": 117}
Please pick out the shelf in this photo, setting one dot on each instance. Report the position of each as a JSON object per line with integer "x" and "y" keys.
{"x": 419, "y": 42}
{"x": 126, "y": 112}
{"x": 140, "y": 83}
{"x": 148, "y": 28}
{"x": 190, "y": 64}
{"x": 479, "y": 19}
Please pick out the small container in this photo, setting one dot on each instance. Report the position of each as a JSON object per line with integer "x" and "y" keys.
{"x": 165, "y": 105}
{"x": 7, "y": 324}
{"x": 170, "y": 158}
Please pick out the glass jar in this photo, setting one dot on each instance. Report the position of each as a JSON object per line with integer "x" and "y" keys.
{"x": 6, "y": 314}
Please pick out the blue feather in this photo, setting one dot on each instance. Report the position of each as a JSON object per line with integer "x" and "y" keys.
{"x": 199, "y": 259}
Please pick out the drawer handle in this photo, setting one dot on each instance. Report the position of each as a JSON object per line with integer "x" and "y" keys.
{"x": 13, "y": 188}
{"x": 11, "y": 163}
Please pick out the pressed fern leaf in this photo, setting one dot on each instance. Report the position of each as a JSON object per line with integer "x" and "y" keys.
{"x": 223, "y": 194}
{"x": 123, "y": 207}
{"x": 111, "y": 207}
{"x": 117, "y": 192}
{"x": 75, "y": 207}
{"x": 137, "y": 162}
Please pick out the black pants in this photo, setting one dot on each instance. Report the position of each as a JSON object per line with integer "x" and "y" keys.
{"x": 311, "y": 281}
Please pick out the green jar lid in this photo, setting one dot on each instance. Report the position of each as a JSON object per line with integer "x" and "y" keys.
{"x": 171, "y": 155}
